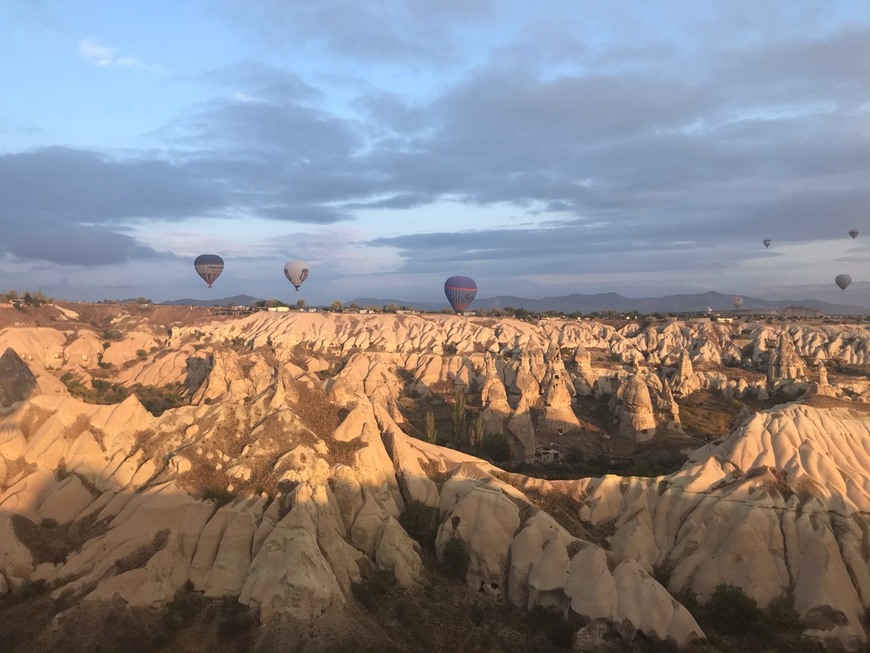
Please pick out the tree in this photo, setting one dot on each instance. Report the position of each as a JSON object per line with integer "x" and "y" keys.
{"x": 495, "y": 447}
{"x": 354, "y": 306}
{"x": 476, "y": 433}
{"x": 458, "y": 418}
{"x": 300, "y": 304}
{"x": 336, "y": 307}
{"x": 431, "y": 434}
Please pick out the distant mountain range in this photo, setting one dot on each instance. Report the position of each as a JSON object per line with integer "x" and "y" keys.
{"x": 577, "y": 303}
{"x": 235, "y": 300}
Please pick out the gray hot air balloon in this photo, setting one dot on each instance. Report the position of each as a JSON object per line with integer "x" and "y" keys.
{"x": 296, "y": 272}
{"x": 766, "y": 242}
{"x": 738, "y": 302}
{"x": 853, "y": 233}
{"x": 843, "y": 281}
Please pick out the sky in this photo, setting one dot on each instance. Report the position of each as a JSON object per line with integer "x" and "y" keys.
{"x": 541, "y": 148}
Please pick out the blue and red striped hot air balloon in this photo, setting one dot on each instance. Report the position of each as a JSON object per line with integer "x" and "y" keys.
{"x": 460, "y": 292}
{"x": 209, "y": 267}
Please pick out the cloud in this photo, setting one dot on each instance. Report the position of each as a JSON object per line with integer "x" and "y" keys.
{"x": 77, "y": 246}
{"x": 104, "y": 56}
{"x": 56, "y": 185}
{"x": 623, "y": 141}
{"x": 421, "y": 31}
{"x": 261, "y": 81}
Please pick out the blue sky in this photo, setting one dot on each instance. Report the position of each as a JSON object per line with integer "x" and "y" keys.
{"x": 642, "y": 148}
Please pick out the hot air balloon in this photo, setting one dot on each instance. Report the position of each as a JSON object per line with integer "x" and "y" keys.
{"x": 843, "y": 281}
{"x": 853, "y": 233}
{"x": 766, "y": 242}
{"x": 460, "y": 292}
{"x": 209, "y": 267}
{"x": 738, "y": 302}
{"x": 296, "y": 272}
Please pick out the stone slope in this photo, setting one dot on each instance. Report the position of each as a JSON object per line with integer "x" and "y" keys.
{"x": 282, "y": 482}
{"x": 780, "y": 508}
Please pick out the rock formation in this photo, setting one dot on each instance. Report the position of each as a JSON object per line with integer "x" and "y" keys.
{"x": 785, "y": 363}
{"x": 635, "y": 411}
{"x": 557, "y": 415}
{"x": 17, "y": 382}
{"x": 275, "y": 469}
{"x": 685, "y": 381}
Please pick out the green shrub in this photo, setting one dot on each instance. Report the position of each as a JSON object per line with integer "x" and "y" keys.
{"x": 141, "y": 354}
{"x": 455, "y": 556}
{"x": 158, "y": 400}
{"x": 420, "y": 522}
{"x": 234, "y": 618}
{"x": 219, "y": 496}
{"x": 730, "y": 611}
{"x": 371, "y": 590}
{"x": 495, "y": 447}
{"x": 552, "y": 623}
{"x": 477, "y": 613}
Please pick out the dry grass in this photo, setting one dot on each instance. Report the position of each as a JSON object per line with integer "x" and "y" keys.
{"x": 49, "y": 542}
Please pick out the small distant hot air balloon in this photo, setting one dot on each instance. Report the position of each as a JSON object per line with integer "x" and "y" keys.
{"x": 843, "y": 281}
{"x": 766, "y": 242}
{"x": 738, "y": 302}
{"x": 296, "y": 272}
{"x": 209, "y": 267}
{"x": 460, "y": 292}
{"x": 853, "y": 233}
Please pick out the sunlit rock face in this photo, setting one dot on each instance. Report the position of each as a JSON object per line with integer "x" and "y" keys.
{"x": 286, "y": 448}
{"x": 636, "y": 419}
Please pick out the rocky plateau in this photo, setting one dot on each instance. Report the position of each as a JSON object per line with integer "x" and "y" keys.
{"x": 153, "y": 458}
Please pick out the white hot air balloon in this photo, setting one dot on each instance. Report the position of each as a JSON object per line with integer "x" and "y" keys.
{"x": 738, "y": 302}
{"x": 296, "y": 272}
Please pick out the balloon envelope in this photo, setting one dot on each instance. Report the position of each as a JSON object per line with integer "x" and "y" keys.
{"x": 853, "y": 233}
{"x": 766, "y": 242}
{"x": 209, "y": 267}
{"x": 460, "y": 292}
{"x": 843, "y": 281}
{"x": 296, "y": 272}
{"x": 738, "y": 302}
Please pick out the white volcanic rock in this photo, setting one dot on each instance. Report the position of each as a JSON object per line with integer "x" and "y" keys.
{"x": 765, "y": 510}
{"x": 525, "y": 385}
{"x": 557, "y": 415}
{"x": 521, "y": 427}
{"x": 314, "y": 482}
{"x": 493, "y": 398}
{"x": 585, "y": 379}
{"x": 398, "y": 553}
{"x": 66, "y": 500}
{"x": 485, "y": 520}
{"x": 635, "y": 413}
{"x": 685, "y": 381}
{"x": 223, "y": 553}
{"x": 289, "y": 575}
{"x": 785, "y": 363}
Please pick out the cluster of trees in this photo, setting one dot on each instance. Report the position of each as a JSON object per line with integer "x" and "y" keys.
{"x": 468, "y": 432}
{"x": 36, "y": 298}
{"x": 340, "y": 307}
